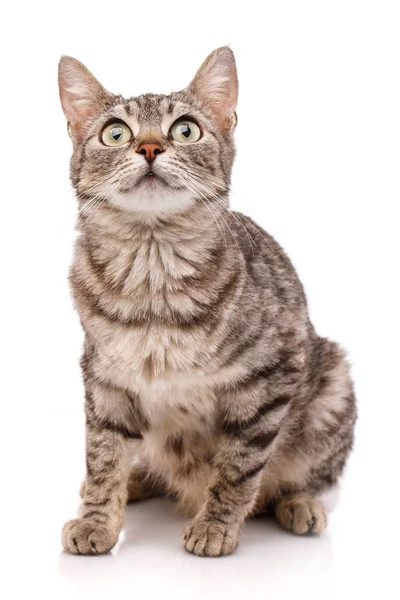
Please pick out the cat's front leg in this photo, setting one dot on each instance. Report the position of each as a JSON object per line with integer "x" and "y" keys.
{"x": 105, "y": 493}
{"x": 248, "y": 439}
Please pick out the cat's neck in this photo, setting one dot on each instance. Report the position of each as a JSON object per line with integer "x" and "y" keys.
{"x": 169, "y": 269}
{"x": 198, "y": 221}
{"x": 170, "y": 247}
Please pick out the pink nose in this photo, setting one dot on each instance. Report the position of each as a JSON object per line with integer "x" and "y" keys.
{"x": 150, "y": 151}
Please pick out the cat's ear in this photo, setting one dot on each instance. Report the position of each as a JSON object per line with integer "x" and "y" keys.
{"x": 215, "y": 85}
{"x": 82, "y": 96}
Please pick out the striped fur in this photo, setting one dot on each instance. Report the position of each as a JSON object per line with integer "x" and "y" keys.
{"x": 204, "y": 377}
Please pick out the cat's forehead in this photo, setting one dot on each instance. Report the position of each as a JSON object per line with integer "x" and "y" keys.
{"x": 147, "y": 108}
{"x": 154, "y": 109}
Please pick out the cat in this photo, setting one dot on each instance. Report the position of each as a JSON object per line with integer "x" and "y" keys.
{"x": 204, "y": 377}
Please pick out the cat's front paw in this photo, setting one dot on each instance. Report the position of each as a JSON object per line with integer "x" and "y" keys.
{"x": 210, "y": 538}
{"x": 86, "y": 536}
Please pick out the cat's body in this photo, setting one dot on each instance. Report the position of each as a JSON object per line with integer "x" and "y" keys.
{"x": 204, "y": 377}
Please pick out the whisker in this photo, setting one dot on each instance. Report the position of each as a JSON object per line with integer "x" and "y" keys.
{"x": 193, "y": 190}
{"x": 211, "y": 194}
{"x": 205, "y": 198}
{"x": 238, "y": 215}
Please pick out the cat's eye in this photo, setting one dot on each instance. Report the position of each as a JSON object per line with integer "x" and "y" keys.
{"x": 185, "y": 131}
{"x": 116, "y": 134}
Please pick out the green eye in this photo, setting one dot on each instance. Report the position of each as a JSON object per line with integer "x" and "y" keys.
{"x": 116, "y": 134}
{"x": 185, "y": 132}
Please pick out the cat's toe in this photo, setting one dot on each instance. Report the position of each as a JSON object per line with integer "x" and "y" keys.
{"x": 301, "y": 514}
{"x": 86, "y": 536}
{"x": 210, "y": 538}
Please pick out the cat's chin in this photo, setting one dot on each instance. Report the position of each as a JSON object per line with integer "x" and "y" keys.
{"x": 153, "y": 197}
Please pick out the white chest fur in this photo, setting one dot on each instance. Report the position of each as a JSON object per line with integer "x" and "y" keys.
{"x": 163, "y": 367}
{"x": 148, "y": 352}
{"x": 178, "y": 406}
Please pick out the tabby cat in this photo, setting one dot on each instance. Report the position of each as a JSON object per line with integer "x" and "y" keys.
{"x": 204, "y": 377}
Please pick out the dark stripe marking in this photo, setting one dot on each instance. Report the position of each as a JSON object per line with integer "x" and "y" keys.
{"x": 262, "y": 440}
{"x": 236, "y": 428}
{"x": 248, "y": 474}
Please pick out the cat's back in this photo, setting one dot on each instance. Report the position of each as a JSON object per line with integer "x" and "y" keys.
{"x": 267, "y": 264}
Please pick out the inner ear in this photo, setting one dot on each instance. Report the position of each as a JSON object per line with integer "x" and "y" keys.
{"x": 82, "y": 96}
{"x": 215, "y": 85}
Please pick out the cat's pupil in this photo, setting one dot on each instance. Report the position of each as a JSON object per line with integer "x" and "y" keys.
{"x": 185, "y": 130}
{"x": 116, "y": 133}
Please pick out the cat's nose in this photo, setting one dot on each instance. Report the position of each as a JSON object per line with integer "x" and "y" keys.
{"x": 150, "y": 151}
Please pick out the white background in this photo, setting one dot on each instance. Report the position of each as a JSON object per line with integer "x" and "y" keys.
{"x": 317, "y": 165}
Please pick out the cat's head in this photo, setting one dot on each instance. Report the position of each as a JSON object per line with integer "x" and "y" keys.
{"x": 152, "y": 153}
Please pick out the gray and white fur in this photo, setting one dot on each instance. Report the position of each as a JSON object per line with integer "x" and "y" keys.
{"x": 204, "y": 376}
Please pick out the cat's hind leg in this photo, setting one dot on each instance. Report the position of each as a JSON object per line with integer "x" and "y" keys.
{"x": 312, "y": 457}
{"x": 301, "y": 513}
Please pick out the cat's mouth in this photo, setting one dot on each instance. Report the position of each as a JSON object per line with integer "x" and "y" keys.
{"x": 152, "y": 178}
{"x": 151, "y": 182}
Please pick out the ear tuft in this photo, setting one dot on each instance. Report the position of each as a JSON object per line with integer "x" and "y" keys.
{"x": 215, "y": 85}
{"x": 82, "y": 96}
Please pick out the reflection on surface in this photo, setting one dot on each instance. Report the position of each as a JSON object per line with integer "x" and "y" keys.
{"x": 149, "y": 559}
